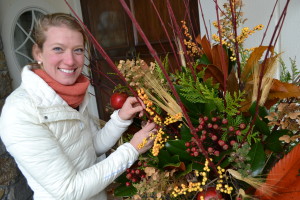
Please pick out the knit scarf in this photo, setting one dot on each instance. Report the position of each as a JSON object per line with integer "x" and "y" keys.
{"x": 72, "y": 94}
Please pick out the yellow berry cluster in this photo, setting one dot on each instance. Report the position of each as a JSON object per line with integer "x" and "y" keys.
{"x": 229, "y": 40}
{"x": 246, "y": 32}
{"x": 159, "y": 142}
{"x": 145, "y": 140}
{"x": 224, "y": 188}
{"x": 184, "y": 189}
{"x": 148, "y": 103}
{"x": 157, "y": 120}
{"x": 206, "y": 168}
{"x": 193, "y": 186}
{"x": 180, "y": 125}
{"x": 172, "y": 119}
{"x": 192, "y": 47}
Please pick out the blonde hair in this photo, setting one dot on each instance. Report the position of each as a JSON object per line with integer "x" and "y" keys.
{"x": 56, "y": 20}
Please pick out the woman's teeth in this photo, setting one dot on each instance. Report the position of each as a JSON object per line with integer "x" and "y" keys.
{"x": 67, "y": 71}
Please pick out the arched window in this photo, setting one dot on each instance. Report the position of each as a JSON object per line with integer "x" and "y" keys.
{"x": 23, "y": 35}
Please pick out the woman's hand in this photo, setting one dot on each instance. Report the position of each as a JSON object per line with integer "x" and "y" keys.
{"x": 131, "y": 107}
{"x": 142, "y": 134}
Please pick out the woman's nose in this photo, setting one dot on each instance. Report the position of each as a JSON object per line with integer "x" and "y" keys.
{"x": 69, "y": 58}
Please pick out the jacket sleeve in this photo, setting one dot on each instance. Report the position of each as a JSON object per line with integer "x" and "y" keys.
{"x": 38, "y": 153}
{"x": 108, "y": 136}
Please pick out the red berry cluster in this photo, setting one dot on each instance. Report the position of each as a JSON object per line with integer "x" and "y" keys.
{"x": 135, "y": 174}
{"x": 192, "y": 148}
{"x": 210, "y": 132}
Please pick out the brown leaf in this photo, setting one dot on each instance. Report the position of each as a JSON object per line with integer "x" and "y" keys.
{"x": 219, "y": 56}
{"x": 224, "y": 62}
{"x": 272, "y": 116}
{"x": 205, "y": 44}
{"x": 215, "y": 57}
{"x": 284, "y": 124}
{"x": 281, "y": 106}
{"x": 245, "y": 105}
{"x": 295, "y": 137}
{"x": 270, "y": 102}
{"x": 294, "y": 115}
{"x": 149, "y": 171}
{"x": 232, "y": 82}
{"x": 213, "y": 72}
{"x": 283, "y": 90}
{"x": 285, "y": 138}
{"x": 284, "y": 178}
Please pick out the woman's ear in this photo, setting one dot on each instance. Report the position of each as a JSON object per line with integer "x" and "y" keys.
{"x": 36, "y": 52}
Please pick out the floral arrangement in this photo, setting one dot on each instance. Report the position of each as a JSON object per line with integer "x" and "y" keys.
{"x": 226, "y": 128}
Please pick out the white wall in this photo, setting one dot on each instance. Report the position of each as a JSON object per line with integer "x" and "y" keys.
{"x": 290, "y": 40}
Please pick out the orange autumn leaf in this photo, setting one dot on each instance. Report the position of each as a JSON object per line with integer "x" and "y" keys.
{"x": 282, "y": 90}
{"x": 279, "y": 90}
{"x": 205, "y": 44}
{"x": 284, "y": 178}
{"x": 252, "y": 61}
{"x": 219, "y": 55}
{"x": 218, "y": 59}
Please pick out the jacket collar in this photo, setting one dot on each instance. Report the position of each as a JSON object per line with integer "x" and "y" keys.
{"x": 48, "y": 103}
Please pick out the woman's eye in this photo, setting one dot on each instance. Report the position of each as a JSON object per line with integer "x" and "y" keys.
{"x": 58, "y": 49}
{"x": 79, "y": 50}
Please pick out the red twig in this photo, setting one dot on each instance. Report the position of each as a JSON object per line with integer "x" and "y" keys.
{"x": 265, "y": 33}
{"x": 281, "y": 25}
{"x": 166, "y": 32}
{"x": 204, "y": 22}
{"x": 219, "y": 8}
{"x": 234, "y": 23}
{"x": 188, "y": 13}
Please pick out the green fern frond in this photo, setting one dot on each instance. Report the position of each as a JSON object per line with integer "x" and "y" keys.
{"x": 233, "y": 102}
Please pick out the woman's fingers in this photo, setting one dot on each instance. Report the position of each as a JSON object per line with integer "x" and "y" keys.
{"x": 139, "y": 137}
{"x": 136, "y": 102}
{"x": 131, "y": 107}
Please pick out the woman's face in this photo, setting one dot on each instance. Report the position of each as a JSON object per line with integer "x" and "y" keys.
{"x": 62, "y": 54}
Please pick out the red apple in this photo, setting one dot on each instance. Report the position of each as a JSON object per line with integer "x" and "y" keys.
{"x": 210, "y": 194}
{"x": 117, "y": 100}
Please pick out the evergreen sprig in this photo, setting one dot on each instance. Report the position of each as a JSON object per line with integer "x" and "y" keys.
{"x": 289, "y": 76}
{"x": 233, "y": 102}
{"x": 197, "y": 91}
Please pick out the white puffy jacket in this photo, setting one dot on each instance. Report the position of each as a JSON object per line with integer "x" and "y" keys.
{"x": 56, "y": 147}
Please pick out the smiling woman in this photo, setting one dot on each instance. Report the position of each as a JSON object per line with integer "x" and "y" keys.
{"x": 46, "y": 126}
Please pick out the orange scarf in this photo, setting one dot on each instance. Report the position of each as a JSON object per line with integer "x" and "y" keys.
{"x": 72, "y": 94}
